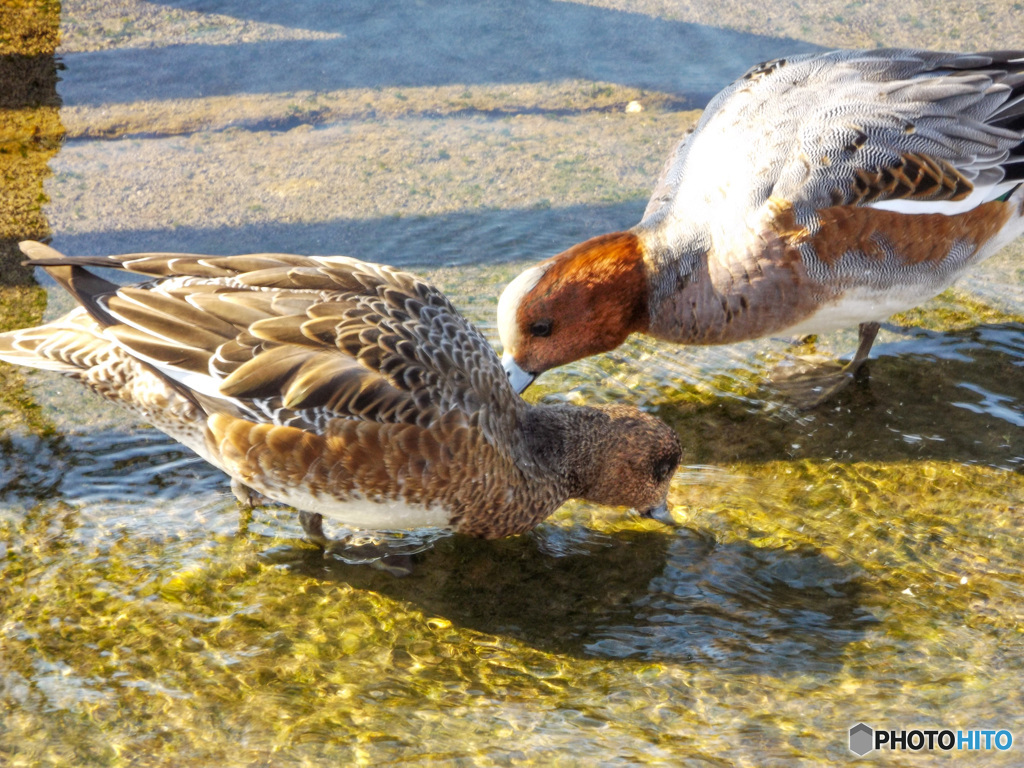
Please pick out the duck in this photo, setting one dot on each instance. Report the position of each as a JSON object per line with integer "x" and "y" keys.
{"x": 344, "y": 389}
{"x": 817, "y": 192}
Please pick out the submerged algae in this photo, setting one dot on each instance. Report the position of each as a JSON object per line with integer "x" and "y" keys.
{"x": 861, "y": 562}
{"x": 830, "y": 567}
{"x": 609, "y": 637}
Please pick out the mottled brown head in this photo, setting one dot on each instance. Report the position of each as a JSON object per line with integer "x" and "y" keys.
{"x": 614, "y": 455}
{"x": 634, "y": 458}
{"x": 581, "y": 302}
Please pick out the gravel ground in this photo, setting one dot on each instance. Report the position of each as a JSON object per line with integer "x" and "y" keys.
{"x": 958, "y": 25}
{"x": 857, "y": 563}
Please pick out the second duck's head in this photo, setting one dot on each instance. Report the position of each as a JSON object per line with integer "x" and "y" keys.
{"x": 584, "y": 301}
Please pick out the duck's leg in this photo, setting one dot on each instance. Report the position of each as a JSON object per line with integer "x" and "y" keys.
{"x": 313, "y": 526}
{"x": 312, "y": 522}
{"x": 867, "y": 333}
{"x": 354, "y": 547}
{"x": 246, "y": 496}
{"x": 811, "y": 385}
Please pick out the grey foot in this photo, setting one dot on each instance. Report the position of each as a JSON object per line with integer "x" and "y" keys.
{"x": 355, "y": 548}
{"x": 812, "y": 382}
{"x": 817, "y": 379}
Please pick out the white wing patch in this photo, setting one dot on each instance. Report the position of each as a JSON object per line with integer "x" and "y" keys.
{"x": 977, "y": 197}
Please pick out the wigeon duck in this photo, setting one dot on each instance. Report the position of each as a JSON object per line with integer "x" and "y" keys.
{"x": 341, "y": 388}
{"x": 815, "y": 193}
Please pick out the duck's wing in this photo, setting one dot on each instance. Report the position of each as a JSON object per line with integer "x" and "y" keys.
{"x": 296, "y": 340}
{"x": 915, "y": 132}
{"x": 908, "y": 130}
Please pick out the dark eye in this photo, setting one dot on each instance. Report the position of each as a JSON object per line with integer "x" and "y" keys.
{"x": 541, "y": 328}
{"x": 664, "y": 468}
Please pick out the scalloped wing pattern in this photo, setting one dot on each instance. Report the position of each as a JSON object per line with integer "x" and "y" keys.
{"x": 303, "y": 340}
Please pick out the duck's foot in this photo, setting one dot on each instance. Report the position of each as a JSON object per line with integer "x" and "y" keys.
{"x": 398, "y": 566}
{"x": 246, "y": 496}
{"x": 816, "y": 379}
{"x": 812, "y": 382}
{"x": 355, "y": 548}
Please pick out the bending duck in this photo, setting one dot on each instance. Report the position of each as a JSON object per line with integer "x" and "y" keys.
{"x": 815, "y": 193}
{"x": 341, "y": 388}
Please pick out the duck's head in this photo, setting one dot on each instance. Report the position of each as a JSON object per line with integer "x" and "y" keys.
{"x": 614, "y": 455}
{"x": 633, "y": 462}
{"x": 584, "y": 301}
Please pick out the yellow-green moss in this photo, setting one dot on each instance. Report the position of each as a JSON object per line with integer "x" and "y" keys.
{"x": 30, "y": 134}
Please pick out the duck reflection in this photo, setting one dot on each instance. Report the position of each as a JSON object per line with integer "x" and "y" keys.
{"x": 652, "y": 595}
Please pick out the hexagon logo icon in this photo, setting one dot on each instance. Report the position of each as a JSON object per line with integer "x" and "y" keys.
{"x": 862, "y": 738}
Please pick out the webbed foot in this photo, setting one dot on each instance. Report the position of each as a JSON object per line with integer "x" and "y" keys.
{"x": 355, "y": 548}
{"x": 816, "y": 379}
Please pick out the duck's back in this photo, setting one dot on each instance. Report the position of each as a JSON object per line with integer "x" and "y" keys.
{"x": 337, "y": 386}
{"x": 828, "y": 165}
{"x": 807, "y": 129}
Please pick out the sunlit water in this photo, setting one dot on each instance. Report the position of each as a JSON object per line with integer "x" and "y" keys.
{"x": 861, "y": 562}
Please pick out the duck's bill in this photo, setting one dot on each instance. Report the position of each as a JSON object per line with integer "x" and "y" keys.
{"x": 659, "y": 513}
{"x": 519, "y": 378}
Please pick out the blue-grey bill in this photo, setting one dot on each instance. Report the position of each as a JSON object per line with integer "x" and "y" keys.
{"x": 519, "y": 378}
{"x": 659, "y": 513}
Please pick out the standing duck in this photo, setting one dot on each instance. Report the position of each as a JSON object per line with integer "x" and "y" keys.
{"x": 341, "y": 388}
{"x": 815, "y": 193}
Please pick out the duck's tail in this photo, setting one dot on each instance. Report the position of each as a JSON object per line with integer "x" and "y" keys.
{"x": 69, "y": 345}
{"x": 73, "y": 343}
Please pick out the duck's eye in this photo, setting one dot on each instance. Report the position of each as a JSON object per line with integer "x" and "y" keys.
{"x": 541, "y": 328}
{"x": 664, "y": 468}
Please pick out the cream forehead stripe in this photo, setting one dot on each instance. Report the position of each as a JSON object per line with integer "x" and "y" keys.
{"x": 508, "y": 305}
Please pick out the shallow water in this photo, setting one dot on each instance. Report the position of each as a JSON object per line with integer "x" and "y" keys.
{"x": 862, "y": 562}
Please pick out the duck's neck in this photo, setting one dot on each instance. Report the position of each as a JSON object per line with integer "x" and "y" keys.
{"x": 676, "y": 277}
{"x": 703, "y": 291}
{"x": 563, "y": 441}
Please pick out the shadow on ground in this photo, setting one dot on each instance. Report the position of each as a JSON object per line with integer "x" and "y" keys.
{"x": 481, "y": 236}
{"x": 423, "y": 44}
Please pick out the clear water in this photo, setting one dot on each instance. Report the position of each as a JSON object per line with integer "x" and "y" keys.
{"x": 858, "y": 563}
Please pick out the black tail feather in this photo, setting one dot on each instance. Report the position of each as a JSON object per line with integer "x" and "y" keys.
{"x": 84, "y": 286}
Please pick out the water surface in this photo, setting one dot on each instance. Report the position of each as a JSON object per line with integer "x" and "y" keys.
{"x": 861, "y": 562}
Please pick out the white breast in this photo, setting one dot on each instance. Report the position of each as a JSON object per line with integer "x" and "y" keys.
{"x": 363, "y": 513}
{"x": 863, "y": 305}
